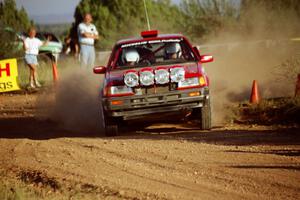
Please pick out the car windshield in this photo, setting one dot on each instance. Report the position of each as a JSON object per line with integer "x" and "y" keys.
{"x": 156, "y": 52}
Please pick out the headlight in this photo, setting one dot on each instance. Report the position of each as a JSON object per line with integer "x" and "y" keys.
{"x": 131, "y": 79}
{"x": 146, "y": 78}
{"x": 162, "y": 76}
{"x": 177, "y": 74}
{"x": 189, "y": 82}
{"x": 119, "y": 91}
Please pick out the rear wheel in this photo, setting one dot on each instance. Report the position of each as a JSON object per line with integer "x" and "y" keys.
{"x": 203, "y": 115}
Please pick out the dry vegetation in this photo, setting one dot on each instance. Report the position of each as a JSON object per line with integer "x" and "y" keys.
{"x": 278, "y": 111}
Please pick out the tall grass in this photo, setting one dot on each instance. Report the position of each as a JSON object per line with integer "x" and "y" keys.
{"x": 9, "y": 191}
{"x": 44, "y": 71}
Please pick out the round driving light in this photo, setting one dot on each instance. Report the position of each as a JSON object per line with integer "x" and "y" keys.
{"x": 162, "y": 76}
{"x": 131, "y": 79}
{"x": 177, "y": 74}
{"x": 146, "y": 78}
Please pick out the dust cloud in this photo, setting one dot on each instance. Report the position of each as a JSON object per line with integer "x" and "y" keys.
{"x": 243, "y": 57}
{"x": 75, "y": 102}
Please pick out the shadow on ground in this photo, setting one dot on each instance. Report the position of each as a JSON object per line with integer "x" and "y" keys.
{"x": 35, "y": 129}
{"x": 286, "y": 167}
{"x": 228, "y": 137}
{"x": 283, "y": 152}
{"x": 31, "y": 128}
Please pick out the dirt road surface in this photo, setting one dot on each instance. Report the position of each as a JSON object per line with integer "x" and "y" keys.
{"x": 162, "y": 161}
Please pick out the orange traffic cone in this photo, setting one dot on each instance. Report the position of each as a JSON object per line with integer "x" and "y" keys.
{"x": 254, "y": 98}
{"x": 54, "y": 71}
{"x": 297, "y": 91}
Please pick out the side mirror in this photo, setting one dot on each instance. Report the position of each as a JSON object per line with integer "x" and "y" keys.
{"x": 206, "y": 58}
{"x": 99, "y": 70}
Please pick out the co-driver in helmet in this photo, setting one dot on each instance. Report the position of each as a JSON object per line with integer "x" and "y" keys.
{"x": 131, "y": 57}
{"x": 173, "y": 51}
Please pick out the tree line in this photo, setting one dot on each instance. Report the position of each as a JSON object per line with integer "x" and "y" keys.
{"x": 12, "y": 20}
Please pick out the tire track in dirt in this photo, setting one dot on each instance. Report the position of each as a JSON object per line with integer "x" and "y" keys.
{"x": 139, "y": 167}
{"x": 213, "y": 188}
{"x": 133, "y": 172}
{"x": 69, "y": 175}
{"x": 246, "y": 185}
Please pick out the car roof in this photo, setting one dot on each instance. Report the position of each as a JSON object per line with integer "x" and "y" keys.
{"x": 139, "y": 39}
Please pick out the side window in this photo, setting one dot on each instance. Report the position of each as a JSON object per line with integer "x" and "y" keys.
{"x": 186, "y": 51}
{"x": 120, "y": 61}
{"x": 112, "y": 57}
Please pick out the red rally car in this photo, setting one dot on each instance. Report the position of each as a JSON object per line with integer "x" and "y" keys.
{"x": 151, "y": 75}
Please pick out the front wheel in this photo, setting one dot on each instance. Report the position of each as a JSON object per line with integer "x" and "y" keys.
{"x": 111, "y": 130}
{"x": 109, "y": 125}
{"x": 203, "y": 115}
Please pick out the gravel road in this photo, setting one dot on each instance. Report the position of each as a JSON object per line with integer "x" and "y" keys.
{"x": 161, "y": 161}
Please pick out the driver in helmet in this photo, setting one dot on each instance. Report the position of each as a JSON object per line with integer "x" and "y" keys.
{"x": 173, "y": 51}
{"x": 131, "y": 57}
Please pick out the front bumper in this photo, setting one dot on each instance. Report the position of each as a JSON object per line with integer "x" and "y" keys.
{"x": 133, "y": 107}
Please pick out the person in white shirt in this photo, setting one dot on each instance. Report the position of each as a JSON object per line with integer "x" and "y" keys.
{"x": 31, "y": 46}
{"x": 87, "y": 34}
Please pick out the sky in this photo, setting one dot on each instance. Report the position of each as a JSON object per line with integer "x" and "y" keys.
{"x": 50, "y": 11}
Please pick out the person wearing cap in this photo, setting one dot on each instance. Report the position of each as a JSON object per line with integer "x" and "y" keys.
{"x": 87, "y": 34}
{"x": 31, "y": 46}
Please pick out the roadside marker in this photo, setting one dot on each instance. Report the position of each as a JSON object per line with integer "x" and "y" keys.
{"x": 54, "y": 69}
{"x": 55, "y": 73}
{"x": 254, "y": 98}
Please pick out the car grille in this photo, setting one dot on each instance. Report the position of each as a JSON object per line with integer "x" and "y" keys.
{"x": 157, "y": 89}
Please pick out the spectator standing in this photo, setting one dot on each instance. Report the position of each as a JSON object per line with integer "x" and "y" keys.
{"x": 71, "y": 42}
{"x": 87, "y": 34}
{"x": 31, "y": 46}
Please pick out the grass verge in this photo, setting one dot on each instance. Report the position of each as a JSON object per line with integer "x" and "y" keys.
{"x": 281, "y": 111}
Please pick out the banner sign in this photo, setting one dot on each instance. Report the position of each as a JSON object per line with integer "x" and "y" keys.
{"x": 8, "y": 75}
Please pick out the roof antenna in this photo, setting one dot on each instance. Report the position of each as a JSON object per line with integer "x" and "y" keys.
{"x": 147, "y": 17}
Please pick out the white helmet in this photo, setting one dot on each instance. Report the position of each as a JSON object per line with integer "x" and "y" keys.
{"x": 173, "y": 48}
{"x": 131, "y": 55}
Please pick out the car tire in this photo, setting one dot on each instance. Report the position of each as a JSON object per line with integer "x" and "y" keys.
{"x": 109, "y": 125}
{"x": 111, "y": 130}
{"x": 206, "y": 116}
{"x": 203, "y": 115}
